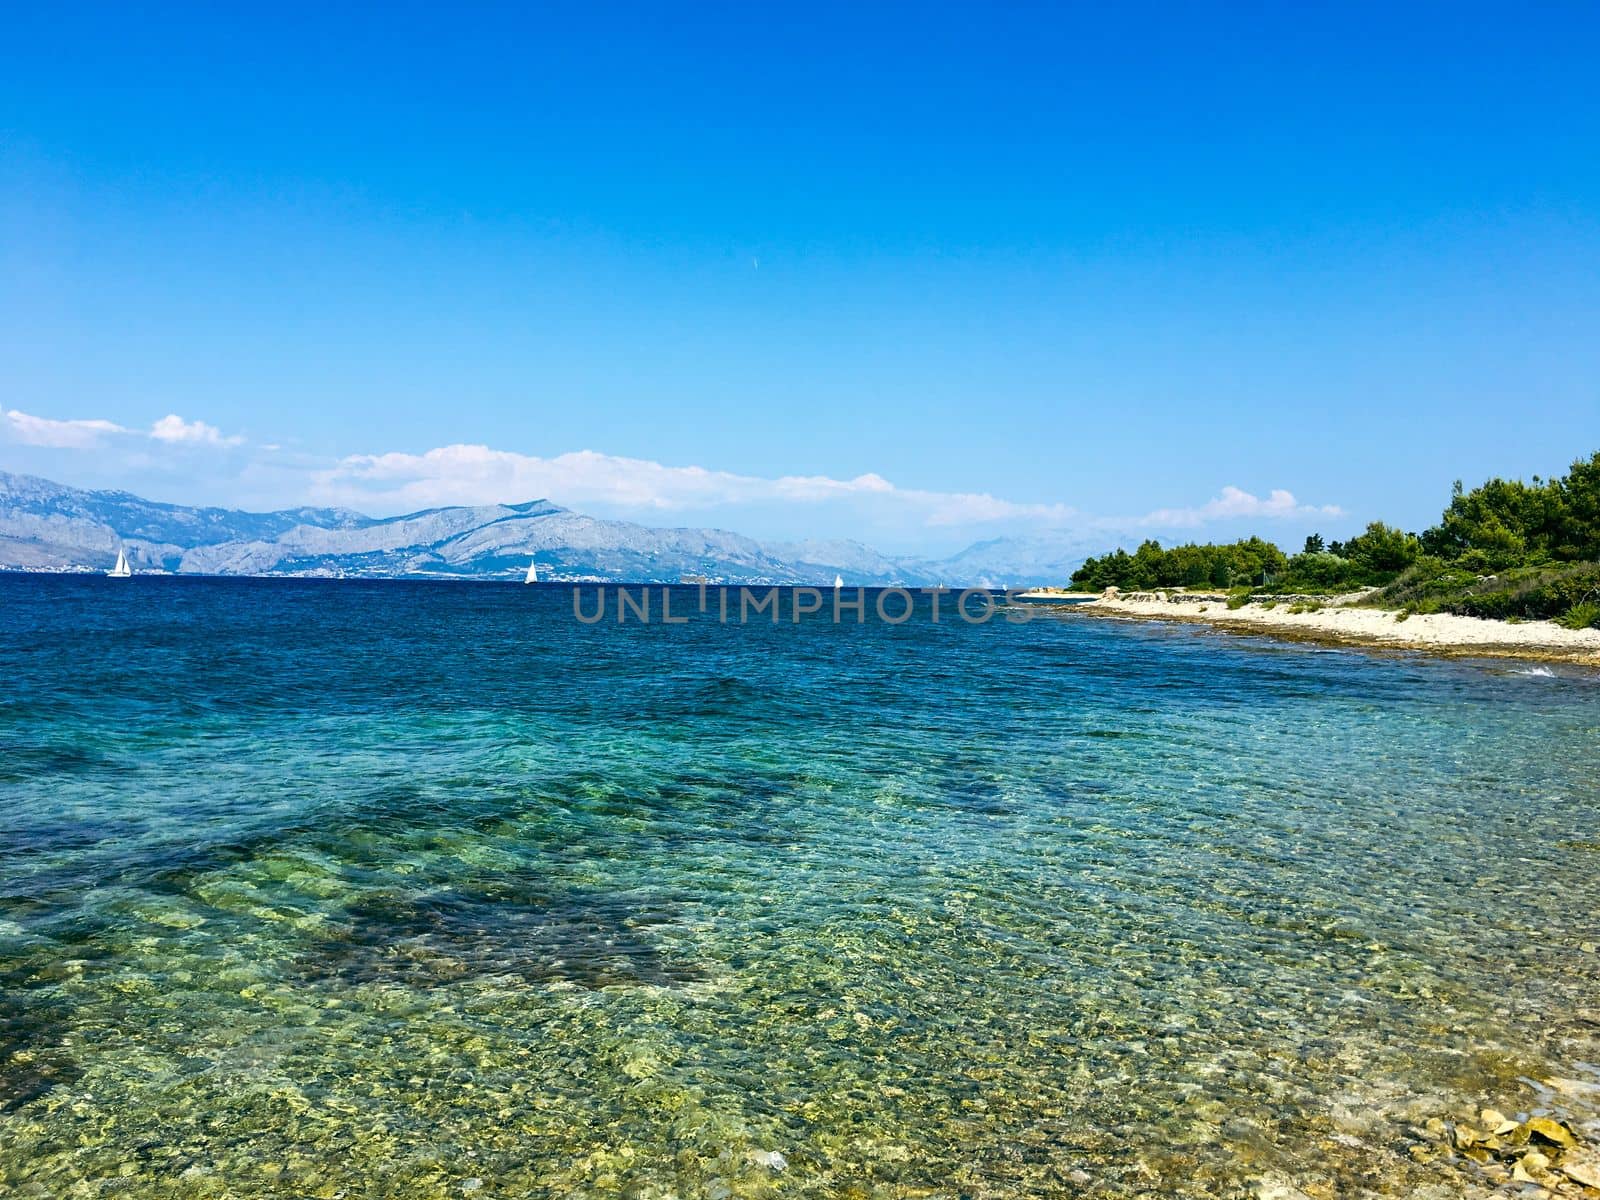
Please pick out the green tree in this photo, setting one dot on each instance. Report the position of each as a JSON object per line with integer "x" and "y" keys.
{"x": 1497, "y": 525}
{"x": 1579, "y": 538}
{"x": 1250, "y": 558}
{"x": 1383, "y": 551}
{"x": 1511, "y": 523}
{"x": 1148, "y": 565}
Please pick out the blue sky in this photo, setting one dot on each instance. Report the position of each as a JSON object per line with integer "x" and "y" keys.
{"x": 914, "y": 274}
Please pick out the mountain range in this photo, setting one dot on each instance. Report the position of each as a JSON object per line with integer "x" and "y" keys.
{"x": 46, "y": 526}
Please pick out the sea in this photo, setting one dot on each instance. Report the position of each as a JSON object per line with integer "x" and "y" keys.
{"x": 321, "y": 888}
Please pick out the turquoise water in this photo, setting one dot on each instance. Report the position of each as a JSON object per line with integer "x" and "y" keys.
{"x": 390, "y": 889}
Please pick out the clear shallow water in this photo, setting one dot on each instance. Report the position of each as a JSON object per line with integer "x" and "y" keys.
{"x": 429, "y": 890}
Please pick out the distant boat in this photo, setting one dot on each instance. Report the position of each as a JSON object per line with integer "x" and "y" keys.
{"x": 533, "y": 573}
{"x": 122, "y": 570}
{"x": 838, "y": 582}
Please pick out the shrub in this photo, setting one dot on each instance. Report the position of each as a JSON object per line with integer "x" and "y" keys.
{"x": 1321, "y": 571}
{"x": 1541, "y": 593}
{"x": 1581, "y": 616}
{"x": 1426, "y": 577}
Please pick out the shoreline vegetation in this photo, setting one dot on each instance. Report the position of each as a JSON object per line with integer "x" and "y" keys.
{"x": 1348, "y": 621}
{"x": 1511, "y": 569}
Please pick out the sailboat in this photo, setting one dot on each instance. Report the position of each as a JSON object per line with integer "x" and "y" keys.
{"x": 838, "y": 582}
{"x": 122, "y": 570}
{"x": 533, "y": 573}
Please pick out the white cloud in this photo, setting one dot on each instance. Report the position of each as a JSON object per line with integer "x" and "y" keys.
{"x": 1234, "y": 503}
{"x": 173, "y": 428}
{"x": 86, "y": 434}
{"x": 479, "y": 475}
{"x": 61, "y": 435}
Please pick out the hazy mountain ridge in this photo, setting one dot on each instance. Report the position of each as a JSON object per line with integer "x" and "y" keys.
{"x": 1045, "y": 559}
{"x": 49, "y": 526}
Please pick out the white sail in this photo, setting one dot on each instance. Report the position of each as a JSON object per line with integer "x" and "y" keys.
{"x": 122, "y": 570}
{"x": 533, "y": 573}
{"x": 838, "y": 582}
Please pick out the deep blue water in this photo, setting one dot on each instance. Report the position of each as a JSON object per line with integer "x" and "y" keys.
{"x": 413, "y": 889}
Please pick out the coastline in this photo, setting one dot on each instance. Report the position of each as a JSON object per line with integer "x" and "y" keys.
{"x": 1339, "y": 621}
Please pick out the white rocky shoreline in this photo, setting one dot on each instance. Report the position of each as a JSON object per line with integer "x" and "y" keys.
{"x": 1343, "y": 620}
